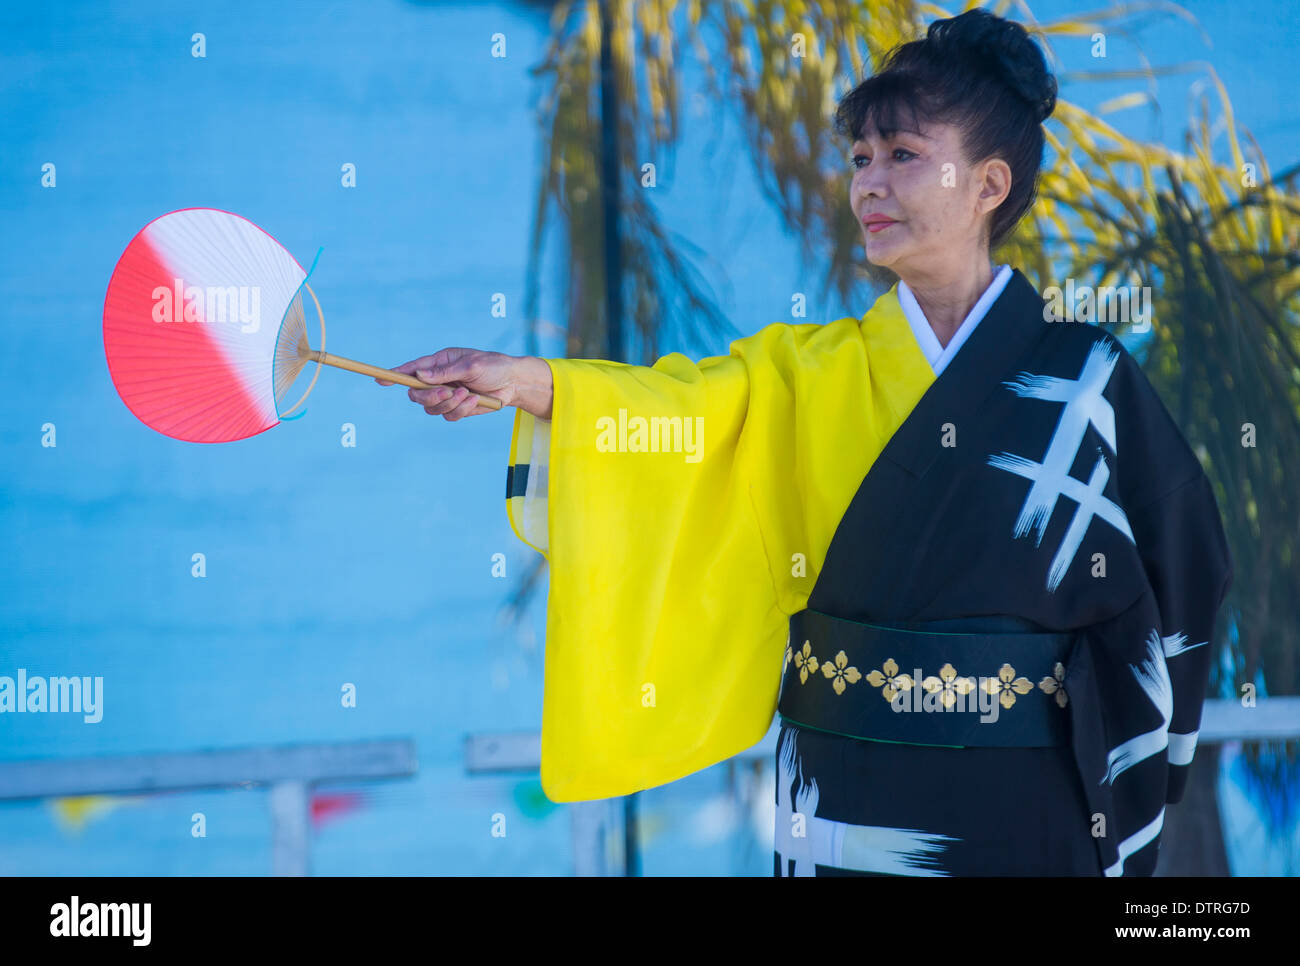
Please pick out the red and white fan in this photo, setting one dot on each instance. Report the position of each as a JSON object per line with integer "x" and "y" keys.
{"x": 205, "y": 330}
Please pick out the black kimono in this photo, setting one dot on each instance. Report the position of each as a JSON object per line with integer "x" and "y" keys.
{"x": 1037, "y": 534}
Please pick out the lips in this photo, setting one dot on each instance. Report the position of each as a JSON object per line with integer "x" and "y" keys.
{"x": 875, "y": 223}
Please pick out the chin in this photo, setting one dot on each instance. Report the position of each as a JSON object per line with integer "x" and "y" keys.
{"x": 882, "y": 259}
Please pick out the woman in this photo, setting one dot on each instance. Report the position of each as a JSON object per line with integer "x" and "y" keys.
{"x": 988, "y": 561}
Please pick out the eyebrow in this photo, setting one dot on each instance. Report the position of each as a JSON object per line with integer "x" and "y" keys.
{"x": 915, "y": 134}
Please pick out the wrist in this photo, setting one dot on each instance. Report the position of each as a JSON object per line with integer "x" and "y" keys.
{"x": 534, "y": 386}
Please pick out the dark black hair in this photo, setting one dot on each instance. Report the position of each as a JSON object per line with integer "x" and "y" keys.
{"x": 979, "y": 72}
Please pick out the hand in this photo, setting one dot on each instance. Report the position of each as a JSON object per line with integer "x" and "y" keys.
{"x": 515, "y": 380}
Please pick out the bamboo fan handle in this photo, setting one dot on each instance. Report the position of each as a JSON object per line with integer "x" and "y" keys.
{"x": 488, "y": 402}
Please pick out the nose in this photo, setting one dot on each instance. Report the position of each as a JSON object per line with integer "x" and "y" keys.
{"x": 869, "y": 182}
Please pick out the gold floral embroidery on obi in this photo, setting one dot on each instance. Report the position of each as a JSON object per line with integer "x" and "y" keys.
{"x": 805, "y": 662}
{"x": 949, "y": 684}
{"x": 1056, "y": 684}
{"x": 841, "y": 672}
{"x": 893, "y": 682}
{"x": 1003, "y": 685}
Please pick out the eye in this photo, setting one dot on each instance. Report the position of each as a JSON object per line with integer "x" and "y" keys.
{"x": 857, "y": 159}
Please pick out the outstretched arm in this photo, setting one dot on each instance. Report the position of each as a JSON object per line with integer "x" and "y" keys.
{"x": 521, "y": 381}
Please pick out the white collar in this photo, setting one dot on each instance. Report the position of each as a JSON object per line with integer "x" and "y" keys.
{"x": 939, "y": 356}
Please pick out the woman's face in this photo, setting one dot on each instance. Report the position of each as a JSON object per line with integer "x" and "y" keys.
{"x": 938, "y": 205}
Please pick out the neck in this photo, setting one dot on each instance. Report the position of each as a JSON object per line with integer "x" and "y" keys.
{"x": 947, "y": 297}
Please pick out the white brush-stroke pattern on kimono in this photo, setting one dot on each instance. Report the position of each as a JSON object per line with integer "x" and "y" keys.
{"x": 1051, "y": 479}
{"x": 1153, "y": 676}
{"x": 860, "y": 848}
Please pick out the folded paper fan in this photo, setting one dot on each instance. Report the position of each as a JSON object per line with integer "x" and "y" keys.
{"x": 205, "y": 329}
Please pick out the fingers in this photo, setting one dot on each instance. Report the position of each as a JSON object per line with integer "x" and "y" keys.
{"x": 444, "y": 366}
{"x": 424, "y": 362}
{"x": 408, "y": 368}
{"x": 448, "y": 365}
{"x": 468, "y": 407}
{"x": 430, "y": 397}
{"x": 450, "y": 403}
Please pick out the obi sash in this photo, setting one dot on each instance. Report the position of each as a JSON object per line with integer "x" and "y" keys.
{"x": 966, "y": 682}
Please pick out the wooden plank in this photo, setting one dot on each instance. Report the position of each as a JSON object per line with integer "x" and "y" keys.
{"x": 207, "y": 768}
{"x": 1278, "y": 717}
{"x": 597, "y": 828}
{"x": 492, "y": 753}
{"x": 1270, "y": 718}
{"x": 290, "y": 826}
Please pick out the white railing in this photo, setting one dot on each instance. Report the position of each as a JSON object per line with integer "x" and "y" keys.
{"x": 598, "y": 829}
{"x": 289, "y": 770}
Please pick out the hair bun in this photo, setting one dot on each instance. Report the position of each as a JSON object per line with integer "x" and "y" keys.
{"x": 1002, "y": 47}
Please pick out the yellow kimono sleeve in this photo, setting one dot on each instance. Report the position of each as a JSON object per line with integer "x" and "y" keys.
{"x": 685, "y": 510}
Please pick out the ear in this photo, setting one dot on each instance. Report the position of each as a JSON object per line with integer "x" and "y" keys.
{"x": 994, "y": 178}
